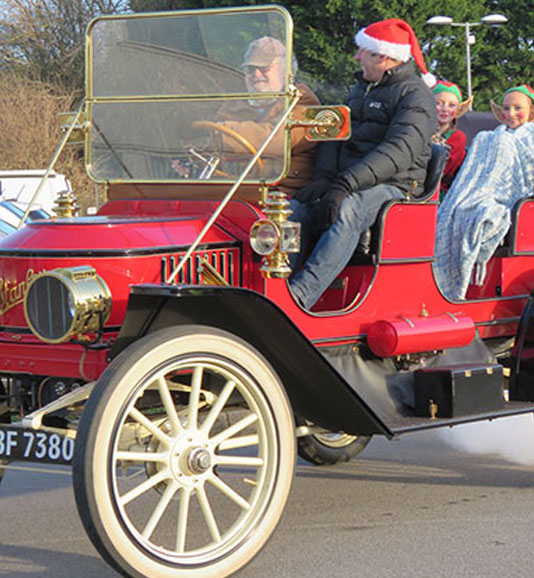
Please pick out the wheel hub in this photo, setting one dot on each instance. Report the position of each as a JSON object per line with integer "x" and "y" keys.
{"x": 189, "y": 460}
{"x": 198, "y": 461}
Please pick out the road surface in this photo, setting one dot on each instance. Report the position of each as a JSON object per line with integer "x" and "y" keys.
{"x": 407, "y": 508}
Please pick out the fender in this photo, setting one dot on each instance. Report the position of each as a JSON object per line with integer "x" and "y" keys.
{"x": 315, "y": 388}
{"x": 522, "y": 378}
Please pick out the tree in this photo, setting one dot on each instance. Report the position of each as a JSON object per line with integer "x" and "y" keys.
{"x": 501, "y": 57}
{"x": 324, "y": 39}
{"x": 44, "y": 39}
{"x": 31, "y": 132}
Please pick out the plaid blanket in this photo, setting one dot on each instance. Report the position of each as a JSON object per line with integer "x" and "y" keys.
{"x": 476, "y": 213}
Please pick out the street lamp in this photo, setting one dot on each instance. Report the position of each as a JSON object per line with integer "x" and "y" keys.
{"x": 490, "y": 19}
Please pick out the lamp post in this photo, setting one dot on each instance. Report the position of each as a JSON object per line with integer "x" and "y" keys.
{"x": 490, "y": 19}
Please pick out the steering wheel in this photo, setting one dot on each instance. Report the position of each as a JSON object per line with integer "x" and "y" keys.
{"x": 213, "y": 126}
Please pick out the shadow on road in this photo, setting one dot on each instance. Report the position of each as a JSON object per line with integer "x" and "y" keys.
{"x": 28, "y": 562}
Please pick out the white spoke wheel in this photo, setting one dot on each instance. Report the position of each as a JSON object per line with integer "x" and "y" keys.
{"x": 330, "y": 447}
{"x": 185, "y": 455}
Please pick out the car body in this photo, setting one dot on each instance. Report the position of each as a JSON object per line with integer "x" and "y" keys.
{"x": 161, "y": 335}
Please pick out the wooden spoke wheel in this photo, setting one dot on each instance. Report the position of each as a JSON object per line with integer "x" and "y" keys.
{"x": 184, "y": 456}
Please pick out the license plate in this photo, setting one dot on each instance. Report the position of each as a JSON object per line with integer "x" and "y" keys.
{"x": 18, "y": 444}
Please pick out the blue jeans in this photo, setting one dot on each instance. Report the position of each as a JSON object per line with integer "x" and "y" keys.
{"x": 337, "y": 243}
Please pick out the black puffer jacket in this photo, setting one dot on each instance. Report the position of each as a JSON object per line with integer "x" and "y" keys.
{"x": 392, "y": 124}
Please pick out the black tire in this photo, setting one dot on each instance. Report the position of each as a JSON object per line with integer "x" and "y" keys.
{"x": 3, "y": 461}
{"x": 330, "y": 447}
{"x": 184, "y": 507}
{"x": 2, "y": 469}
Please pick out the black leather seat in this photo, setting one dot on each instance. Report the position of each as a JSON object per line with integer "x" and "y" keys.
{"x": 366, "y": 249}
{"x": 434, "y": 171}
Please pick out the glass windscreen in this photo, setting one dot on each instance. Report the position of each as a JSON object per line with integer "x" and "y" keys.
{"x": 188, "y": 96}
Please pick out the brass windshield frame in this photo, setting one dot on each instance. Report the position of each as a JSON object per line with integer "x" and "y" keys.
{"x": 288, "y": 95}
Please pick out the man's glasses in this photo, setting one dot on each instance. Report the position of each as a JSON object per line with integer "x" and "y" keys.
{"x": 250, "y": 69}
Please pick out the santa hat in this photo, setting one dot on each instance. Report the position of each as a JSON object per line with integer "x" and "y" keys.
{"x": 396, "y": 39}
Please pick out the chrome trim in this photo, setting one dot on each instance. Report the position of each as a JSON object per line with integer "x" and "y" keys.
{"x": 503, "y": 321}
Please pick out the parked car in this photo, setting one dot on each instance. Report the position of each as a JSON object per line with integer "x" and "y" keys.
{"x": 156, "y": 347}
{"x": 12, "y": 213}
{"x": 19, "y": 187}
{"x": 17, "y": 191}
{"x": 6, "y": 228}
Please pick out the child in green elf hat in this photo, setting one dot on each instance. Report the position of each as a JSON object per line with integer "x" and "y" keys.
{"x": 449, "y": 108}
{"x": 517, "y": 107}
{"x": 476, "y": 213}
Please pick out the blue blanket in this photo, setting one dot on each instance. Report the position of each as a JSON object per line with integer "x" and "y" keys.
{"x": 476, "y": 212}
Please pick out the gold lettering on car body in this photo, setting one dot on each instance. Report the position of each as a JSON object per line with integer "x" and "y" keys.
{"x": 12, "y": 292}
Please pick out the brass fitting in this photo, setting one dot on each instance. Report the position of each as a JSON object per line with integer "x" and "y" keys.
{"x": 66, "y": 205}
{"x": 276, "y": 265}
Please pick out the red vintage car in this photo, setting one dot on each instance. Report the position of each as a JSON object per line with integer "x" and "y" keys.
{"x": 156, "y": 346}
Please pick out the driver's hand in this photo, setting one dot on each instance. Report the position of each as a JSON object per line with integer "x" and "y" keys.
{"x": 179, "y": 168}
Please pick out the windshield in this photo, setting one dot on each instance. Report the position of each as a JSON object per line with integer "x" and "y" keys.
{"x": 188, "y": 96}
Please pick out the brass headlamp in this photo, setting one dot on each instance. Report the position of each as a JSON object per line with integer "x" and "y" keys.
{"x": 66, "y": 302}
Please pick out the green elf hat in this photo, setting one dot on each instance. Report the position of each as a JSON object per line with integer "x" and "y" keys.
{"x": 524, "y": 88}
{"x": 445, "y": 86}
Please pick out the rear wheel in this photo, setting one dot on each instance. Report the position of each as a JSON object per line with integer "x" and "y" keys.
{"x": 330, "y": 447}
{"x": 184, "y": 456}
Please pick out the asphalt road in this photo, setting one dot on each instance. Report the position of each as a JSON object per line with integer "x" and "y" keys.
{"x": 408, "y": 508}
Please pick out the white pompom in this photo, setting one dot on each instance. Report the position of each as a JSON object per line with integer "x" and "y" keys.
{"x": 429, "y": 79}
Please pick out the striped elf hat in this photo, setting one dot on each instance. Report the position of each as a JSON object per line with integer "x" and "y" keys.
{"x": 524, "y": 88}
{"x": 450, "y": 87}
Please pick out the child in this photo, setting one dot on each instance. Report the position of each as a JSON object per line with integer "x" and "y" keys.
{"x": 476, "y": 212}
{"x": 517, "y": 107}
{"x": 450, "y": 108}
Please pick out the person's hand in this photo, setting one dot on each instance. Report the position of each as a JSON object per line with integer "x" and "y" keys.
{"x": 330, "y": 203}
{"x": 312, "y": 192}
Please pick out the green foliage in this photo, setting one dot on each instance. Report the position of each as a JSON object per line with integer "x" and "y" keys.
{"x": 44, "y": 38}
{"x": 324, "y": 39}
{"x": 502, "y": 56}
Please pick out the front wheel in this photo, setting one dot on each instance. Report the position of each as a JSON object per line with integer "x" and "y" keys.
{"x": 2, "y": 468}
{"x": 185, "y": 455}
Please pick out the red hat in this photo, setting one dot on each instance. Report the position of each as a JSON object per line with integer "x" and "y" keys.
{"x": 396, "y": 39}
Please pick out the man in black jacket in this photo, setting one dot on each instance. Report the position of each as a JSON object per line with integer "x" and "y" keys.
{"x": 393, "y": 117}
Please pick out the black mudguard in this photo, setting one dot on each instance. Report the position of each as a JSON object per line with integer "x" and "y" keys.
{"x": 315, "y": 388}
{"x": 522, "y": 378}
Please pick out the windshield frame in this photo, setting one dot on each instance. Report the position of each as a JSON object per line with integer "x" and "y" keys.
{"x": 93, "y": 101}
